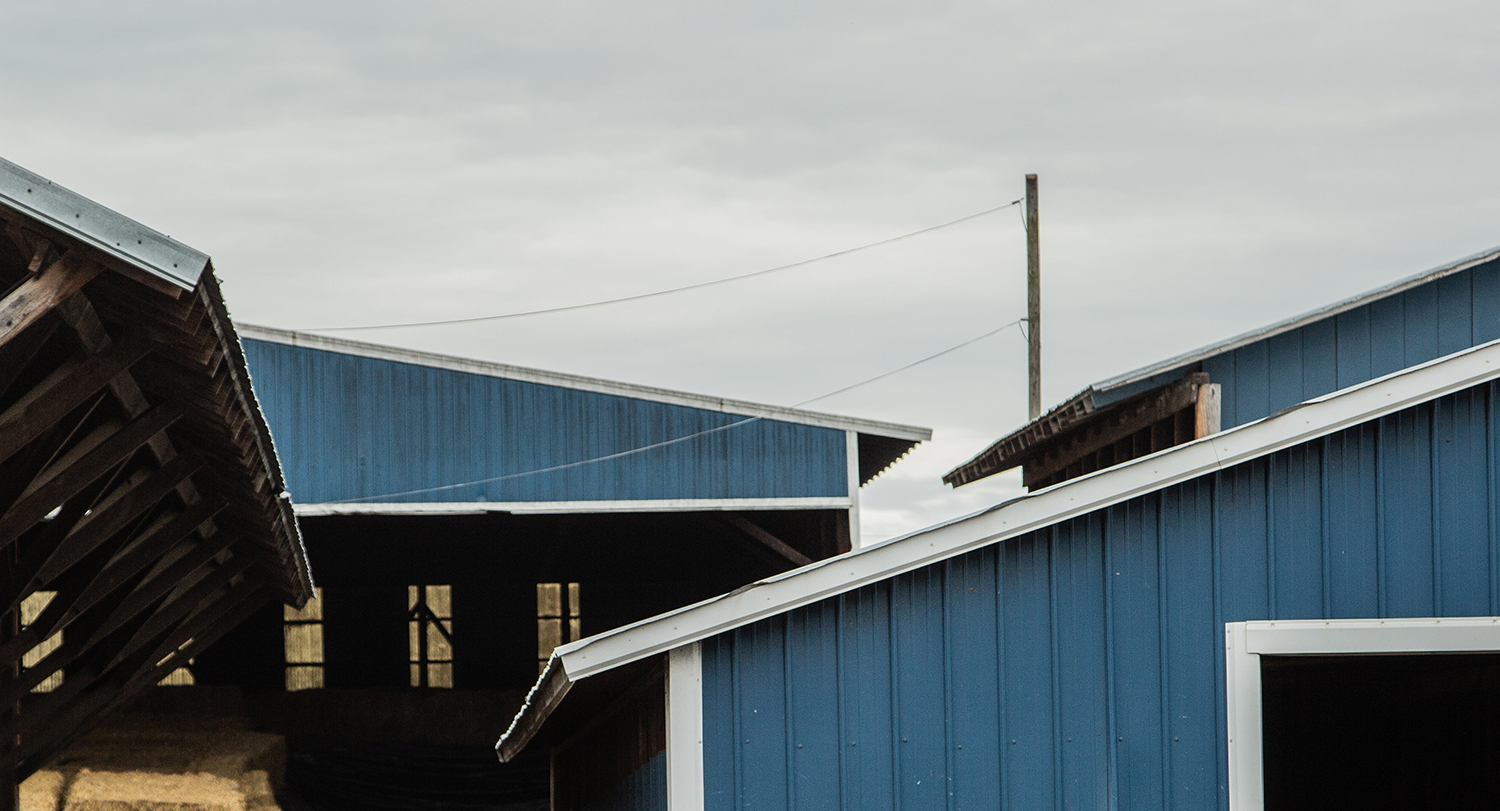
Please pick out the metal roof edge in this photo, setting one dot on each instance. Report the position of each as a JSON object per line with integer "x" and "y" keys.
{"x": 581, "y": 383}
{"x": 1075, "y": 497}
{"x": 573, "y": 507}
{"x": 100, "y": 227}
{"x": 1294, "y": 322}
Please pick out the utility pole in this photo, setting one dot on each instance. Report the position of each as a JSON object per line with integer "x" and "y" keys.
{"x": 1033, "y": 301}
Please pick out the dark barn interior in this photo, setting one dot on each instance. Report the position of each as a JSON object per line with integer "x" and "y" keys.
{"x": 369, "y": 738}
{"x": 1381, "y": 731}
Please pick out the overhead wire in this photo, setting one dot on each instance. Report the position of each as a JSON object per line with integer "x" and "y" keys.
{"x": 657, "y": 293}
{"x": 677, "y": 440}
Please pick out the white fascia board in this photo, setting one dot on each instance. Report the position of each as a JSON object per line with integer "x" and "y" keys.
{"x": 1315, "y": 418}
{"x": 1333, "y": 637}
{"x": 1286, "y": 325}
{"x": 581, "y": 383}
{"x": 553, "y": 507}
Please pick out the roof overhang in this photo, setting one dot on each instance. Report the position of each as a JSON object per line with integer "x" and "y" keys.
{"x": 1076, "y": 497}
{"x": 138, "y": 481}
{"x": 434, "y": 360}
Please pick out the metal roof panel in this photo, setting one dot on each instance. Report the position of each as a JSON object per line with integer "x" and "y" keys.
{"x": 100, "y": 227}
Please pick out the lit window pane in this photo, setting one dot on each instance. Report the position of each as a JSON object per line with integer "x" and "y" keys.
{"x": 548, "y": 600}
{"x": 440, "y": 674}
{"x": 440, "y": 601}
{"x": 438, "y": 649}
{"x": 181, "y": 677}
{"x": 411, "y": 596}
{"x": 414, "y": 641}
{"x": 304, "y": 678}
{"x": 304, "y": 643}
{"x": 548, "y": 636}
{"x": 416, "y": 675}
{"x": 575, "y": 629}
{"x": 573, "y": 610}
{"x": 33, "y": 605}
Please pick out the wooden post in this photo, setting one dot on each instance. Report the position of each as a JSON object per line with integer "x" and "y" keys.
{"x": 1033, "y": 302}
{"x": 10, "y": 628}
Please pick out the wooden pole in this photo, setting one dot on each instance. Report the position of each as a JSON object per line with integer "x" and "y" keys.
{"x": 1033, "y": 302}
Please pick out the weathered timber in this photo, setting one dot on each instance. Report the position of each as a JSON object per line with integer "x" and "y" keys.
{"x": 43, "y": 292}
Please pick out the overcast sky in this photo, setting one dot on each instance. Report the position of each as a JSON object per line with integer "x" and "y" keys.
{"x": 1205, "y": 168}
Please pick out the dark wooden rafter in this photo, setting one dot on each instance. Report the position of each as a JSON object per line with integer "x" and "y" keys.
{"x": 781, "y": 549}
{"x": 1114, "y": 427}
{"x": 137, "y": 482}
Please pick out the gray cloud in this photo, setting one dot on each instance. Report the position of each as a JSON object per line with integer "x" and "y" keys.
{"x": 1205, "y": 169}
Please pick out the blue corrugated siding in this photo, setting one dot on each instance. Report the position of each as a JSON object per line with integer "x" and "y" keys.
{"x": 644, "y": 790}
{"x": 1423, "y": 323}
{"x": 1082, "y": 666}
{"x": 353, "y": 427}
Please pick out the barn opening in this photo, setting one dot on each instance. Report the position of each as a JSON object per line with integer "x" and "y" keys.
{"x": 1377, "y": 731}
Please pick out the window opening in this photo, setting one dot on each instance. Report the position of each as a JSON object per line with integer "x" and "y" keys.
{"x": 558, "y": 618}
{"x": 430, "y": 635}
{"x": 32, "y": 608}
{"x": 302, "y": 629}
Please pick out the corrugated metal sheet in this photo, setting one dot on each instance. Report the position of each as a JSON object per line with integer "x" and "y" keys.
{"x": 644, "y": 790}
{"x": 1082, "y": 666}
{"x": 1262, "y": 375}
{"x": 102, "y": 228}
{"x": 351, "y": 427}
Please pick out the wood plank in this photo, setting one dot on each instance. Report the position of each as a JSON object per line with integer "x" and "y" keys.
{"x": 43, "y": 293}
{"x": 1146, "y": 412}
{"x": 61, "y": 392}
{"x": 1206, "y": 411}
{"x": 70, "y": 474}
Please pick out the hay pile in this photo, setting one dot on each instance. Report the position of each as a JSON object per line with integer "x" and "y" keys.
{"x": 163, "y": 764}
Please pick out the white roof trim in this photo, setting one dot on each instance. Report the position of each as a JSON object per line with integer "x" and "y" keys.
{"x": 573, "y": 507}
{"x": 1294, "y": 322}
{"x": 1070, "y": 499}
{"x": 578, "y": 382}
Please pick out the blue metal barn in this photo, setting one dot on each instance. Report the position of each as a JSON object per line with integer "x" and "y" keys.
{"x": 1067, "y": 650}
{"x": 365, "y": 424}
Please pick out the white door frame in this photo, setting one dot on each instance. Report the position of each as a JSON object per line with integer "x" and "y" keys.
{"x": 1245, "y": 642}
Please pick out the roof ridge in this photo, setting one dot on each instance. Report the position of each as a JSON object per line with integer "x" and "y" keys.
{"x": 581, "y": 382}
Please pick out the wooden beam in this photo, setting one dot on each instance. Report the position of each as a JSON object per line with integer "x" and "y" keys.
{"x": 74, "y": 471}
{"x": 43, "y": 292}
{"x": 1206, "y": 411}
{"x": 112, "y": 516}
{"x": 16, "y": 355}
{"x": 79, "y": 314}
{"x": 1109, "y": 428}
{"x": 110, "y": 573}
{"x": 766, "y": 539}
{"x": 68, "y": 387}
{"x": 36, "y": 750}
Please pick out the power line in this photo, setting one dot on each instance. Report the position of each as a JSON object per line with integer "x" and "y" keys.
{"x": 676, "y": 440}
{"x": 638, "y": 297}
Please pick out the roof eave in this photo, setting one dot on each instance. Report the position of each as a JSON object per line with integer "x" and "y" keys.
{"x": 1070, "y": 499}
{"x": 582, "y": 383}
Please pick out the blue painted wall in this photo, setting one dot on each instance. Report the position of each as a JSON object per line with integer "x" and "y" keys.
{"x": 644, "y": 790}
{"x": 1426, "y": 322}
{"x": 1082, "y": 666}
{"x": 352, "y": 427}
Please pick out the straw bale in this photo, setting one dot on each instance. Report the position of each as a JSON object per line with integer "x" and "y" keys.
{"x": 146, "y": 791}
{"x": 42, "y": 791}
{"x": 259, "y": 796}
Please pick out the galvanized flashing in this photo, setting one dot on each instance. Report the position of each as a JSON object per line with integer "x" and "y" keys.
{"x": 581, "y": 383}
{"x": 101, "y": 228}
{"x": 1294, "y": 322}
{"x": 573, "y": 507}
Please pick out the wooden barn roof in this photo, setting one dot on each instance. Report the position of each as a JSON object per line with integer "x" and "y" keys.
{"x": 138, "y": 483}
